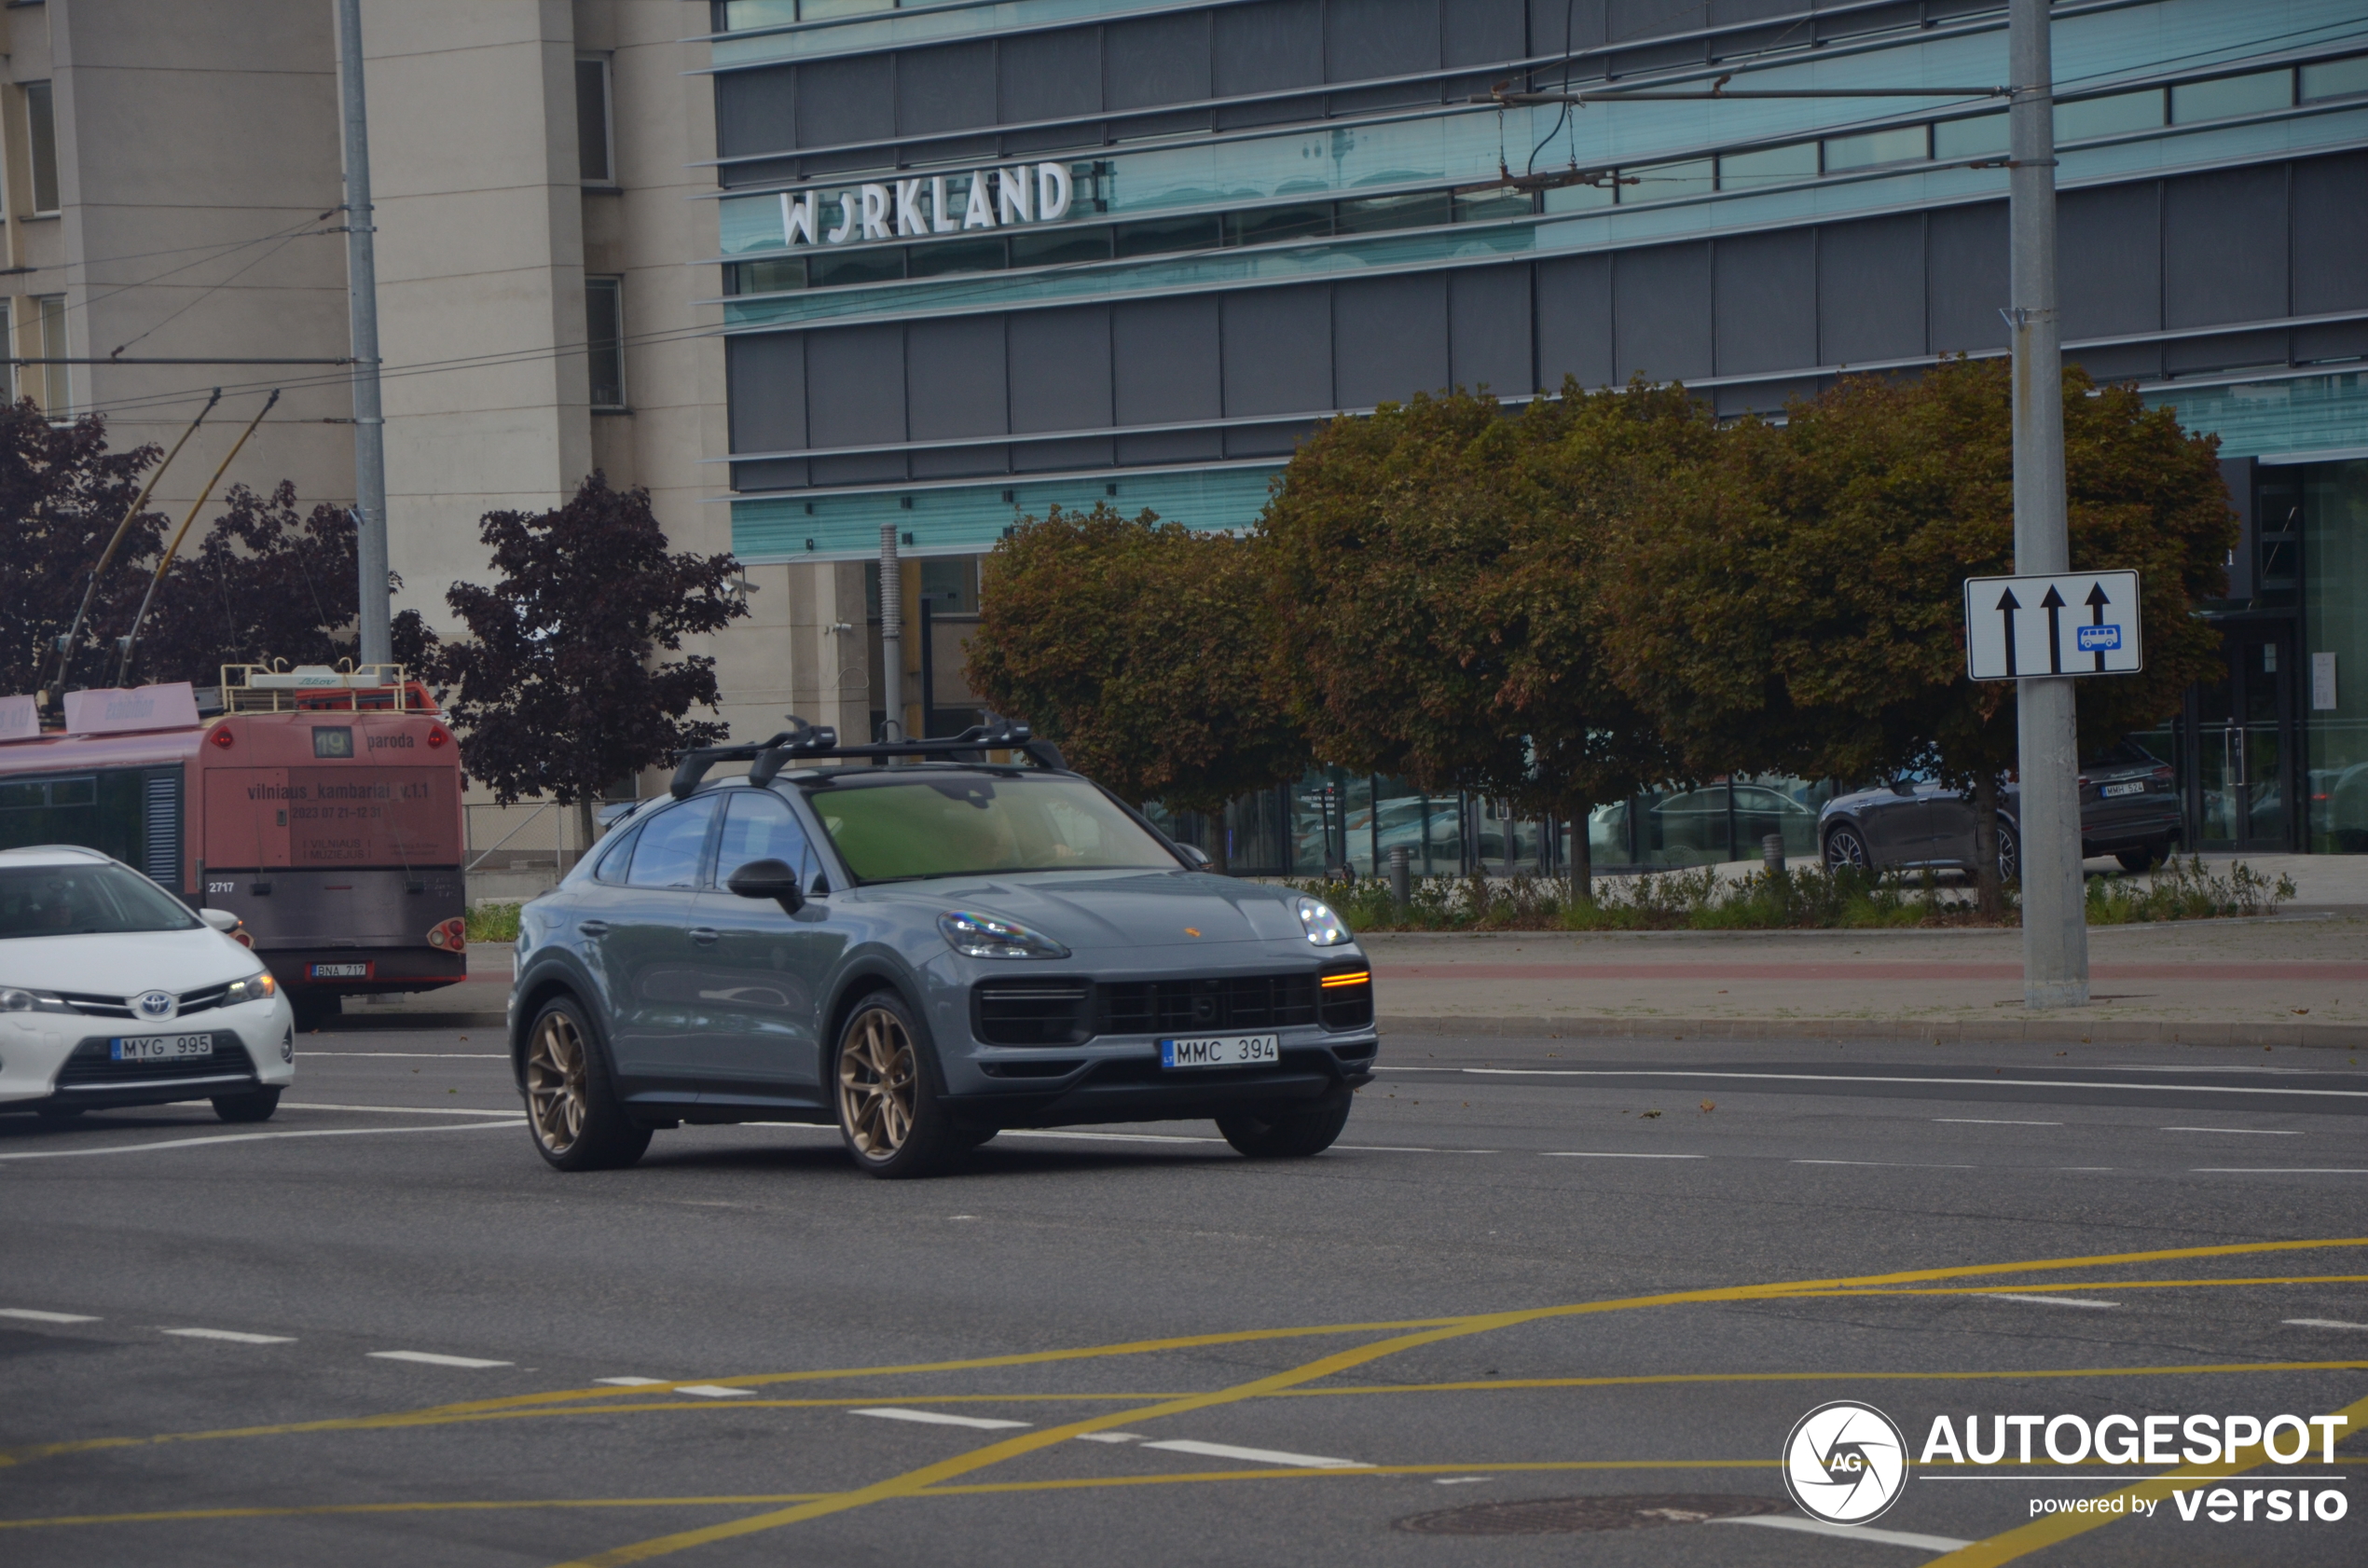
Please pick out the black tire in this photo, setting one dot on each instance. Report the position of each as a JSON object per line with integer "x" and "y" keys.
{"x": 58, "y": 1116}
{"x": 1287, "y": 1135}
{"x": 2144, "y": 858}
{"x": 892, "y": 1114}
{"x": 2010, "y": 854}
{"x": 1845, "y": 846}
{"x": 255, "y": 1105}
{"x": 572, "y": 1112}
{"x": 313, "y": 1008}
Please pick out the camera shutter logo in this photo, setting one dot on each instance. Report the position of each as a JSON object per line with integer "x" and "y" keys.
{"x": 1845, "y": 1463}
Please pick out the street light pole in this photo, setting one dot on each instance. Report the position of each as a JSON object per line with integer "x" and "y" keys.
{"x": 2054, "y": 904}
{"x": 362, "y": 303}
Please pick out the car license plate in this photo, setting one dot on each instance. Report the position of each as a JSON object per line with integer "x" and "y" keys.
{"x": 2130, "y": 789}
{"x": 160, "y": 1048}
{"x": 336, "y": 972}
{"x": 1220, "y": 1051}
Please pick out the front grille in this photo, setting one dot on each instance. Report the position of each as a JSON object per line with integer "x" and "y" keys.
{"x": 1031, "y": 1012}
{"x": 1253, "y": 1001}
{"x": 90, "y": 1066}
{"x": 95, "y": 1006}
{"x": 197, "y": 1001}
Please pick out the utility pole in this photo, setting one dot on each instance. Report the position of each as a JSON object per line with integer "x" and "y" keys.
{"x": 361, "y": 298}
{"x": 2055, "y": 902}
{"x": 891, "y": 637}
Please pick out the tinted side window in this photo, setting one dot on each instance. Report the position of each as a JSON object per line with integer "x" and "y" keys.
{"x": 758, "y": 826}
{"x": 671, "y": 842}
{"x": 615, "y": 856}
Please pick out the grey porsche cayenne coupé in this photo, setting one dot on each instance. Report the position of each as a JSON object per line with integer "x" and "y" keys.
{"x": 926, "y": 947}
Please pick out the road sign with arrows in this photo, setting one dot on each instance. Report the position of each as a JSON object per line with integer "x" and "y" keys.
{"x": 2082, "y": 623}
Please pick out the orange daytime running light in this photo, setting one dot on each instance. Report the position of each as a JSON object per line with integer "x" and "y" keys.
{"x": 1359, "y": 977}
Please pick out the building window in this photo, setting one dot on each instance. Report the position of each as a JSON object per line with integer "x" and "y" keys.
{"x": 49, "y": 383}
{"x": 594, "y": 148}
{"x": 41, "y": 144}
{"x": 604, "y": 339}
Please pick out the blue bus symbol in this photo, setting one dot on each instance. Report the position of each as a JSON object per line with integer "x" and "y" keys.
{"x": 2099, "y": 639}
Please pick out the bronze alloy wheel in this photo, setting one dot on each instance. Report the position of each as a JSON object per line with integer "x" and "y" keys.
{"x": 878, "y": 1077}
{"x": 555, "y": 1082}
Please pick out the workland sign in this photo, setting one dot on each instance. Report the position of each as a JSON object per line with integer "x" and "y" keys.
{"x": 2083, "y": 624}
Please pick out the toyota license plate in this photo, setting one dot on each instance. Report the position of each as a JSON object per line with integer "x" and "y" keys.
{"x": 160, "y": 1048}
{"x": 336, "y": 972}
{"x": 2131, "y": 789}
{"x": 1220, "y": 1050}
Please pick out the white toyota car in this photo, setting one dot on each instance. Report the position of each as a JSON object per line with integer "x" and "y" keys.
{"x": 115, "y": 993}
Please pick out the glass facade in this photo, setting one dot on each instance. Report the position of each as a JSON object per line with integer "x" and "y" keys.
{"x": 2335, "y": 674}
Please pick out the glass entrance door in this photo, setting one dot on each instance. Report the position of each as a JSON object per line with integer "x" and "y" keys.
{"x": 2245, "y": 747}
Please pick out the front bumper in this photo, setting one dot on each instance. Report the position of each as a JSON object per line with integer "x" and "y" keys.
{"x": 1123, "y": 1081}
{"x": 63, "y": 1059}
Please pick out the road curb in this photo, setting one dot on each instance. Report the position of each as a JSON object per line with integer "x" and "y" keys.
{"x": 2051, "y": 1031}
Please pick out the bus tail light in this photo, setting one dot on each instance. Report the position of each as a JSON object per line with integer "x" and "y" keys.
{"x": 222, "y": 738}
{"x": 451, "y": 936}
{"x": 436, "y": 735}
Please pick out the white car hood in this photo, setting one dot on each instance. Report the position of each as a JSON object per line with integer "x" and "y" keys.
{"x": 125, "y": 963}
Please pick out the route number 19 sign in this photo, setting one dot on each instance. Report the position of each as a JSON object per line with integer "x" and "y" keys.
{"x": 2084, "y": 623}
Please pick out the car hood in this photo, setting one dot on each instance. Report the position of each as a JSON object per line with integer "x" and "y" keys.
{"x": 124, "y": 963}
{"x": 1118, "y": 909}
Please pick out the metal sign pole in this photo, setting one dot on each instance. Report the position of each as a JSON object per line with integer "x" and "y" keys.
{"x": 361, "y": 297}
{"x": 2054, "y": 912}
{"x": 891, "y": 635}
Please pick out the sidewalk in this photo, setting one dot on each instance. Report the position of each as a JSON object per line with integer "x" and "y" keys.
{"x": 2289, "y": 979}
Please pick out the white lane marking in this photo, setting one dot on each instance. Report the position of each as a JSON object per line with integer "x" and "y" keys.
{"x": 2255, "y": 1131}
{"x": 714, "y": 1390}
{"x": 428, "y": 1056}
{"x": 1110, "y": 1437}
{"x": 233, "y": 1335}
{"x": 1886, "y": 1165}
{"x": 939, "y": 1418}
{"x": 429, "y": 1359}
{"x": 1871, "y": 1077}
{"x": 402, "y": 1110}
{"x": 1460, "y": 1480}
{"x": 1259, "y": 1456}
{"x": 255, "y": 1138}
{"x": 1849, "y": 1532}
{"x": 2041, "y": 1301}
{"x": 2276, "y": 1170}
{"x": 1401, "y": 1149}
{"x": 1591, "y": 1154}
{"x": 32, "y": 1315}
{"x": 1102, "y": 1137}
{"x": 2321, "y": 1323}
{"x": 1991, "y": 1122}
{"x": 632, "y": 1382}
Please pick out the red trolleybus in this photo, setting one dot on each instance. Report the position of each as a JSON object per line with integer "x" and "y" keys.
{"x": 323, "y": 808}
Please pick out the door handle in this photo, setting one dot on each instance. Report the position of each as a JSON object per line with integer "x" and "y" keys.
{"x": 593, "y": 927}
{"x": 703, "y": 935}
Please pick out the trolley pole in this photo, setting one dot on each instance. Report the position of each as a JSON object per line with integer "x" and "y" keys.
{"x": 362, "y": 293}
{"x": 2054, "y": 904}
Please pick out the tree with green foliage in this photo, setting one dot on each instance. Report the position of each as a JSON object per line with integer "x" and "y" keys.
{"x": 1796, "y": 604}
{"x": 1431, "y": 570}
{"x": 558, "y": 691}
{"x": 1141, "y": 647}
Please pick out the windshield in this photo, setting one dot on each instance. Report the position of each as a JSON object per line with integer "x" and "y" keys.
{"x": 963, "y": 824}
{"x": 83, "y": 900}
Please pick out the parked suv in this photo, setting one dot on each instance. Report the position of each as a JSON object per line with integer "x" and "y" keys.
{"x": 924, "y": 954}
{"x": 2128, "y": 810}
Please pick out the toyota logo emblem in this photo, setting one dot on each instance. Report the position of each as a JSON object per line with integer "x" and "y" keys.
{"x": 153, "y": 1004}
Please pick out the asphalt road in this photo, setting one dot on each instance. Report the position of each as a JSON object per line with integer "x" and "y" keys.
{"x": 378, "y": 1331}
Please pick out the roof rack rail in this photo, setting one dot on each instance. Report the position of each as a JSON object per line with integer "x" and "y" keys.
{"x": 804, "y": 742}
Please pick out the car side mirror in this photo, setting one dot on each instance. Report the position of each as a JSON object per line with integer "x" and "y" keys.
{"x": 769, "y": 879}
{"x": 222, "y": 920}
{"x": 1194, "y": 856}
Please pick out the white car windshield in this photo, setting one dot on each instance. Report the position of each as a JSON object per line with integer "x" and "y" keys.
{"x": 966, "y": 824}
{"x": 84, "y": 900}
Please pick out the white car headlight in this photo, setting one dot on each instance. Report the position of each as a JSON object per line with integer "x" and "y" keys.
{"x": 15, "y": 998}
{"x": 982, "y": 936}
{"x": 253, "y": 988}
{"x": 1324, "y": 928}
